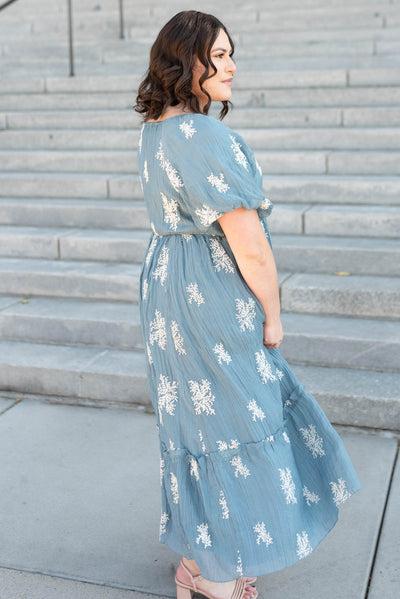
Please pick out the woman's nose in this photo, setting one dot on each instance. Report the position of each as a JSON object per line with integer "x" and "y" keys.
{"x": 232, "y": 66}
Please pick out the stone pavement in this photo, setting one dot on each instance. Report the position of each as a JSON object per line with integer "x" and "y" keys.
{"x": 80, "y": 505}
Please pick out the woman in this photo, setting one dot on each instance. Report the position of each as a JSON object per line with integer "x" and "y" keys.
{"x": 251, "y": 470}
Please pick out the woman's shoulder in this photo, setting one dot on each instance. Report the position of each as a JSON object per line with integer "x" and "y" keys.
{"x": 199, "y": 127}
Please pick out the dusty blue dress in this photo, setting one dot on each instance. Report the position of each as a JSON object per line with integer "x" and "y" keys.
{"x": 251, "y": 470}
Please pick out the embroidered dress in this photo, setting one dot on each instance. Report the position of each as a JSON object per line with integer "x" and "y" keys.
{"x": 251, "y": 470}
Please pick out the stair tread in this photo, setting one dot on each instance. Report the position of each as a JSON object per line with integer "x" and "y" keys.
{"x": 375, "y": 385}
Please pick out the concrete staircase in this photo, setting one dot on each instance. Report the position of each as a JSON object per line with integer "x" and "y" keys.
{"x": 317, "y": 97}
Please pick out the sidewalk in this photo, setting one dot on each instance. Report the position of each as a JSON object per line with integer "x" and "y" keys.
{"x": 80, "y": 507}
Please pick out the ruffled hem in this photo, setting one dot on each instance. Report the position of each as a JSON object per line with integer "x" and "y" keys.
{"x": 261, "y": 506}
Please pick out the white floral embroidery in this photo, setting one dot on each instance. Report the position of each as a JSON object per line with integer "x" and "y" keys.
{"x": 264, "y": 367}
{"x": 224, "y": 505}
{"x": 203, "y": 537}
{"x": 303, "y": 545}
{"x": 287, "y": 402}
{"x": 340, "y": 493}
{"x": 223, "y": 445}
{"x": 167, "y": 396}
{"x": 239, "y": 155}
{"x": 265, "y": 204}
{"x": 171, "y": 212}
{"x": 171, "y": 445}
{"x": 312, "y": 440}
{"x": 194, "y": 294}
{"x": 161, "y": 269}
{"x": 256, "y": 410}
{"x": 286, "y": 437}
{"x": 145, "y": 172}
{"x": 202, "y": 398}
{"x": 218, "y": 182}
{"x": 158, "y": 333}
{"x": 194, "y": 468}
{"x": 145, "y": 288}
{"x": 187, "y": 236}
{"x": 150, "y": 251}
{"x": 163, "y": 523}
{"x": 149, "y": 356}
{"x": 219, "y": 256}
{"x": 174, "y": 488}
{"x": 203, "y": 447}
{"x": 222, "y": 354}
{"x": 187, "y": 128}
{"x": 310, "y": 497}
{"x": 239, "y": 567}
{"x": 207, "y": 215}
{"x": 262, "y": 535}
{"x": 288, "y": 485}
{"x": 171, "y": 172}
{"x": 177, "y": 337}
{"x": 245, "y": 313}
{"x": 279, "y": 374}
{"x": 140, "y": 138}
{"x": 240, "y": 468}
{"x": 162, "y": 469}
{"x": 270, "y": 438}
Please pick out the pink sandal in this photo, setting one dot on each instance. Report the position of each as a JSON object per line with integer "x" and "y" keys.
{"x": 185, "y": 590}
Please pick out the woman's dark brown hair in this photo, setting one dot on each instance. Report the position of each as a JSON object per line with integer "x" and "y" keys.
{"x": 168, "y": 81}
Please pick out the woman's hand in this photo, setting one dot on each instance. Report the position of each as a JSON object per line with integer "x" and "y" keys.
{"x": 273, "y": 334}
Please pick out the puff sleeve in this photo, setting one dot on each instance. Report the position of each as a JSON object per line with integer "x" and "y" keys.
{"x": 218, "y": 171}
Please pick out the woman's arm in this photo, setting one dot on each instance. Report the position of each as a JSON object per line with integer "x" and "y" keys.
{"x": 253, "y": 254}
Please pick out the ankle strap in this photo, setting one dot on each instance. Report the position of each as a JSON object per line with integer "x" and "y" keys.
{"x": 192, "y": 578}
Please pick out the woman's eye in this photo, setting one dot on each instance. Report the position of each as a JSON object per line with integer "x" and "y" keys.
{"x": 220, "y": 55}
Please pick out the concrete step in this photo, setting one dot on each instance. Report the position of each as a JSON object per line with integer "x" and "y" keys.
{"x": 328, "y": 220}
{"x": 313, "y": 254}
{"x": 371, "y": 399}
{"x": 93, "y": 376}
{"x": 81, "y": 161}
{"x": 113, "y": 50}
{"x": 235, "y": 20}
{"x": 341, "y": 342}
{"x": 73, "y": 185}
{"x": 360, "y": 221}
{"x": 300, "y": 253}
{"x": 13, "y": 32}
{"x": 354, "y": 295}
{"x": 68, "y": 279}
{"x": 109, "y": 5}
{"x": 71, "y": 322}
{"x": 85, "y": 375}
{"x": 42, "y": 212}
{"x": 282, "y": 189}
{"x": 273, "y": 162}
{"x": 332, "y": 138}
{"x": 357, "y": 96}
{"x": 60, "y": 68}
{"x": 261, "y": 138}
{"x": 344, "y": 118}
{"x": 77, "y": 244}
{"x": 249, "y": 79}
{"x": 309, "y": 339}
{"x": 332, "y": 189}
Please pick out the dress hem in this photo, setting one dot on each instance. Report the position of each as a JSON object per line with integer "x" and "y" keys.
{"x": 264, "y": 572}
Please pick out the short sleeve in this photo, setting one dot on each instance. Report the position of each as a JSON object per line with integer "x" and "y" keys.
{"x": 219, "y": 172}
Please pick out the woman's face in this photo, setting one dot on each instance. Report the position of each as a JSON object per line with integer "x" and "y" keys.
{"x": 219, "y": 85}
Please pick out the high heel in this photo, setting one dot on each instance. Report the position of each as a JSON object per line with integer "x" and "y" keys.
{"x": 183, "y": 593}
{"x": 189, "y": 585}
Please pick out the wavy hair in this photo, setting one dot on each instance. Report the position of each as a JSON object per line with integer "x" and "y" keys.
{"x": 168, "y": 80}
